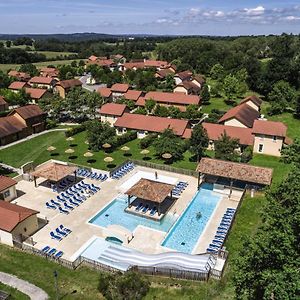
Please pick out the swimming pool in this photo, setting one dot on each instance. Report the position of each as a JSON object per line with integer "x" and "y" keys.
{"x": 114, "y": 213}
{"x": 185, "y": 233}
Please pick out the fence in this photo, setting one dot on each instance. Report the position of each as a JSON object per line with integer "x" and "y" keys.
{"x": 172, "y": 273}
{"x": 98, "y": 266}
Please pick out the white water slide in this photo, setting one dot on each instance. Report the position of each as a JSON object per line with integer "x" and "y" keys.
{"x": 171, "y": 260}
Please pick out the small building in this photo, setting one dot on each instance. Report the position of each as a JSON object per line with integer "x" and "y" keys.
{"x": 163, "y": 73}
{"x": 16, "y": 86}
{"x": 269, "y": 137}
{"x": 242, "y": 115}
{"x": 42, "y": 82}
{"x": 64, "y": 86}
{"x": 49, "y": 72}
{"x": 253, "y": 101}
{"x": 187, "y": 88}
{"x": 105, "y": 93}
{"x": 3, "y": 104}
{"x": 21, "y": 76}
{"x": 183, "y": 76}
{"x": 37, "y": 94}
{"x": 11, "y": 129}
{"x": 144, "y": 124}
{"x": 109, "y": 112}
{"x": 133, "y": 95}
{"x": 16, "y": 223}
{"x": 8, "y": 190}
{"x": 119, "y": 89}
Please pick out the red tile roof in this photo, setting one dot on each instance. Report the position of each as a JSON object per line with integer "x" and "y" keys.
{"x": 10, "y": 125}
{"x": 132, "y": 95}
{"x": 11, "y": 215}
{"x": 120, "y": 87}
{"x": 28, "y": 111}
{"x": 163, "y": 73}
{"x": 103, "y": 62}
{"x": 243, "y": 113}
{"x": 155, "y": 63}
{"x": 257, "y": 101}
{"x": 184, "y": 75}
{"x": 113, "y": 109}
{"x": 35, "y": 93}
{"x": 190, "y": 86}
{"x": 215, "y": 131}
{"x": 104, "y": 92}
{"x": 151, "y": 123}
{"x": 187, "y": 133}
{"x": 17, "y": 85}
{"x": 173, "y": 98}
{"x": 93, "y": 58}
{"x": 269, "y": 128}
{"x": 19, "y": 75}
{"x": 41, "y": 80}
{"x": 67, "y": 84}
{"x": 6, "y": 182}
{"x": 2, "y": 101}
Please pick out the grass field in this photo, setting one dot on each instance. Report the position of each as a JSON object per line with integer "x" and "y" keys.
{"x": 6, "y": 67}
{"x": 14, "y": 294}
{"x": 53, "y": 54}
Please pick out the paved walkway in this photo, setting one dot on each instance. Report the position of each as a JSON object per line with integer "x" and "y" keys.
{"x": 32, "y": 291}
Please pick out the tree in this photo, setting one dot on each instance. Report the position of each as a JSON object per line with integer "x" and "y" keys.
{"x": 8, "y": 43}
{"x": 282, "y": 94}
{"x": 99, "y": 133}
{"x": 231, "y": 87}
{"x": 205, "y": 94}
{"x": 193, "y": 112}
{"x": 198, "y": 141}
{"x": 127, "y": 286}
{"x": 30, "y": 69}
{"x": 217, "y": 72}
{"x": 291, "y": 153}
{"x": 226, "y": 148}
{"x": 268, "y": 265}
{"x": 297, "y": 109}
{"x": 149, "y": 105}
{"x": 168, "y": 142}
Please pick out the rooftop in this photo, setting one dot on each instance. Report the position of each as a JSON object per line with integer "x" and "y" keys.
{"x": 257, "y": 101}
{"x": 28, "y": 111}
{"x": 120, "y": 87}
{"x": 41, "y": 80}
{"x": 150, "y": 190}
{"x": 35, "y": 93}
{"x": 2, "y": 101}
{"x": 236, "y": 171}
{"x": 10, "y": 125}
{"x": 269, "y": 128}
{"x": 67, "y": 84}
{"x": 104, "y": 92}
{"x": 173, "y": 98}
{"x": 11, "y": 215}
{"x": 151, "y": 123}
{"x": 243, "y": 113}
{"x": 132, "y": 95}
{"x": 6, "y": 182}
{"x": 113, "y": 109}
{"x": 17, "y": 85}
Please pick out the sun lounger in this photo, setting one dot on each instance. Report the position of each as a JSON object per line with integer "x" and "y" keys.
{"x": 211, "y": 250}
{"x": 59, "y": 232}
{"x": 52, "y": 252}
{"x": 54, "y": 202}
{"x": 69, "y": 193}
{"x": 62, "y": 227}
{"x": 45, "y": 249}
{"x": 68, "y": 206}
{"x": 95, "y": 187}
{"x": 218, "y": 242}
{"x": 58, "y": 255}
{"x": 63, "y": 211}
{"x": 50, "y": 206}
{"x": 145, "y": 209}
{"x": 139, "y": 207}
{"x": 73, "y": 203}
{"x": 104, "y": 177}
{"x": 220, "y": 236}
{"x": 214, "y": 246}
{"x": 153, "y": 211}
{"x": 55, "y": 237}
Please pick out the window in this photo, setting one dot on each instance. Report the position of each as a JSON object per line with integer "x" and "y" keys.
{"x": 6, "y": 194}
{"x": 274, "y": 138}
{"x": 260, "y": 147}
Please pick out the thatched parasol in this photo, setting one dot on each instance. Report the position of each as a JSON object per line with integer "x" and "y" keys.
{"x": 70, "y": 139}
{"x": 108, "y": 159}
{"x": 88, "y": 154}
{"x": 69, "y": 151}
{"x": 51, "y": 148}
{"x": 106, "y": 146}
{"x": 145, "y": 152}
{"x": 167, "y": 155}
{"x": 125, "y": 148}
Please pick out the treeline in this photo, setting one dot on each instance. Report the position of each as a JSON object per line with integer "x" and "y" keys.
{"x": 266, "y": 59}
{"x": 19, "y": 56}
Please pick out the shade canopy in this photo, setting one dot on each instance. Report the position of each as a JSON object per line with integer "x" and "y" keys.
{"x": 167, "y": 155}
{"x": 106, "y": 145}
{"x": 53, "y": 171}
{"x": 236, "y": 171}
{"x": 125, "y": 148}
{"x": 150, "y": 190}
{"x": 145, "y": 152}
{"x": 108, "y": 159}
{"x": 88, "y": 154}
{"x": 69, "y": 151}
{"x": 51, "y": 148}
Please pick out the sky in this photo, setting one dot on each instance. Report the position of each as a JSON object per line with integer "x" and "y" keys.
{"x": 176, "y": 17}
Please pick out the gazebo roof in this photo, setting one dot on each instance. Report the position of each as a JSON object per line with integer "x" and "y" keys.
{"x": 150, "y": 190}
{"x": 237, "y": 171}
{"x": 53, "y": 171}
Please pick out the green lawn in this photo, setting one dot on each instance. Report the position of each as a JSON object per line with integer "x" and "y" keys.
{"x": 53, "y": 54}
{"x": 36, "y": 150}
{"x": 14, "y": 294}
{"x": 6, "y": 67}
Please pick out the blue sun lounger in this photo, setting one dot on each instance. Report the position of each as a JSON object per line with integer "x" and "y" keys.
{"x": 58, "y": 255}
{"x": 63, "y": 211}
{"x": 73, "y": 203}
{"x": 139, "y": 207}
{"x": 145, "y": 209}
{"x": 60, "y": 232}
{"x": 68, "y": 206}
{"x": 153, "y": 211}
{"x": 55, "y": 237}
{"x": 50, "y": 206}
{"x": 52, "y": 252}
{"x": 54, "y": 202}
{"x": 45, "y": 249}
{"x": 62, "y": 227}
{"x": 212, "y": 250}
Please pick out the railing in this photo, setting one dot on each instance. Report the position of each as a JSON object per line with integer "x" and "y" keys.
{"x": 172, "y": 273}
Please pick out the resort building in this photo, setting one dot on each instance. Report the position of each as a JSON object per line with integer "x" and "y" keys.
{"x": 192, "y": 86}
{"x": 64, "y": 86}
{"x": 109, "y": 112}
{"x": 49, "y": 72}
{"x": 21, "y": 76}
{"x": 119, "y": 89}
{"x": 144, "y": 124}
{"x": 253, "y": 101}
{"x": 16, "y": 86}
{"x": 16, "y": 223}
{"x": 163, "y": 73}
{"x": 11, "y": 130}
{"x": 183, "y": 76}
{"x": 143, "y": 64}
{"x": 269, "y": 137}
{"x": 3, "y": 104}
{"x": 37, "y": 94}
{"x": 178, "y": 100}
{"x": 133, "y": 95}
{"x": 42, "y": 82}
{"x": 8, "y": 190}
{"x": 105, "y": 93}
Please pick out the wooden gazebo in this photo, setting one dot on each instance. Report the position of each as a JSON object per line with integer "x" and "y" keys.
{"x": 150, "y": 190}
{"x": 53, "y": 171}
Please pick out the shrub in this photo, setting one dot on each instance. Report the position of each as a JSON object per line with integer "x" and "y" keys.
{"x": 74, "y": 130}
{"x": 50, "y": 124}
{"x": 124, "y": 138}
{"x": 148, "y": 140}
{"x": 247, "y": 154}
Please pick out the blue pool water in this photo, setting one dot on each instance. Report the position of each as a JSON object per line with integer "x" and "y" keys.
{"x": 185, "y": 233}
{"x": 114, "y": 213}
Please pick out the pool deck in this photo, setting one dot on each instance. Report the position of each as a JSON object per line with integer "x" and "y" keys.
{"x": 145, "y": 239}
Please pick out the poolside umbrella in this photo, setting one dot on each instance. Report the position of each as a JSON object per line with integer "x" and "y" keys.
{"x": 88, "y": 154}
{"x": 108, "y": 159}
{"x": 69, "y": 151}
{"x": 51, "y": 148}
{"x": 70, "y": 139}
{"x": 145, "y": 152}
{"x": 167, "y": 155}
{"x": 125, "y": 148}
